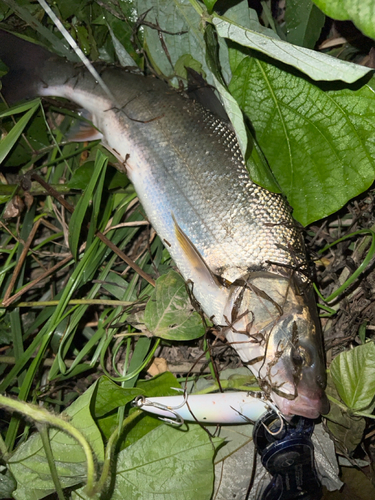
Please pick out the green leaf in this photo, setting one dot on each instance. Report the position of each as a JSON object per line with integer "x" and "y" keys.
{"x": 118, "y": 180}
{"x": 361, "y": 12}
{"x": 316, "y": 65}
{"x": 353, "y": 374}
{"x": 82, "y": 176}
{"x": 110, "y": 396}
{"x": 187, "y": 61}
{"x": 169, "y": 313}
{"x": 234, "y": 437}
{"x": 124, "y": 57}
{"x": 116, "y": 285}
{"x": 167, "y": 464}
{"x": 209, "y": 4}
{"x": 304, "y": 22}
{"x": 37, "y": 137}
{"x": 123, "y": 30}
{"x": 7, "y": 483}
{"x": 3, "y": 70}
{"x": 58, "y": 46}
{"x": 21, "y": 108}
{"x": 29, "y": 464}
{"x": 78, "y": 216}
{"x": 12, "y": 137}
{"x": 175, "y": 17}
{"x": 180, "y": 17}
{"x": 319, "y": 144}
{"x": 347, "y": 429}
{"x": 161, "y": 385}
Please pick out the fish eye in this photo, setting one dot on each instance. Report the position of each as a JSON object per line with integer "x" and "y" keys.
{"x": 297, "y": 357}
{"x": 300, "y": 356}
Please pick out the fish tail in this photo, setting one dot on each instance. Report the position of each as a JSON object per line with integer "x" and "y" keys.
{"x": 27, "y": 63}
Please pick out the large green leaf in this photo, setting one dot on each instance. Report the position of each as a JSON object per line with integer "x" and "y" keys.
{"x": 167, "y": 464}
{"x": 182, "y": 35}
{"x": 110, "y": 396}
{"x": 347, "y": 429}
{"x": 169, "y": 313}
{"x": 318, "y": 143}
{"x": 316, "y": 65}
{"x": 29, "y": 465}
{"x": 304, "y": 22}
{"x": 361, "y": 12}
{"x": 185, "y": 36}
{"x": 353, "y": 374}
{"x": 7, "y": 483}
{"x": 164, "y": 384}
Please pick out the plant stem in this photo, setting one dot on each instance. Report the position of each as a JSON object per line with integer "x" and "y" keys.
{"x": 197, "y": 6}
{"x": 43, "y": 431}
{"x": 11, "y": 360}
{"x": 74, "y": 302}
{"x": 3, "y": 447}
{"x": 41, "y": 416}
{"x": 110, "y": 448}
{"x": 36, "y": 190}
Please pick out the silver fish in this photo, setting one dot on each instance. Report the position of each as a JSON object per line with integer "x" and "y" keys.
{"x": 235, "y": 242}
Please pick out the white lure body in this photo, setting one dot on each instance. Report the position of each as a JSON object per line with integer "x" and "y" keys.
{"x": 217, "y": 408}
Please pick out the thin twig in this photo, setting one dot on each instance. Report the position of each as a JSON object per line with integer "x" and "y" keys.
{"x": 77, "y": 302}
{"x": 21, "y": 261}
{"x": 100, "y": 235}
{"x": 52, "y": 191}
{"x": 14, "y": 297}
{"x": 125, "y": 258}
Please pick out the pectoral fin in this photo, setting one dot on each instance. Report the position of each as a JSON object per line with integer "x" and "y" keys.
{"x": 84, "y": 130}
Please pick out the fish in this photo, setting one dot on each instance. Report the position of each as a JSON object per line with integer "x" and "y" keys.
{"x": 235, "y": 243}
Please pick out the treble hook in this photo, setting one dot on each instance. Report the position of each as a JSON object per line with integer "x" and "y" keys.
{"x": 141, "y": 401}
{"x": 280, "y": 416}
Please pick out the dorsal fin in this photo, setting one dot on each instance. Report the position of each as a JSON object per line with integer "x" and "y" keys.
{"x": 203, "y": 93}
{"x": 194, "y": 257}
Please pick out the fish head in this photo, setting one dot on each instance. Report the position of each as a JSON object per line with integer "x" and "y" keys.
{"x": 273, "y": 324}
{"x": 294, "y": 369}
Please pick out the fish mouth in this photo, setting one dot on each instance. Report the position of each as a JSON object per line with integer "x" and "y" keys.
{"x": 303, "y": 405}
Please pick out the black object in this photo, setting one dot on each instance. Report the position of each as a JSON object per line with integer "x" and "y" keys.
{"x": 287, "y": 453}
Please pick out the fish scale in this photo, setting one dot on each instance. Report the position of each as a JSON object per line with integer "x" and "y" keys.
{"x": 235, "y": 242}
{"x": 235, "y": 225}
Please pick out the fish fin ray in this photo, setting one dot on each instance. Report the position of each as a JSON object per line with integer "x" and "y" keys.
{"x": 194, "y": 257}
{"x": 84, "y": 131}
